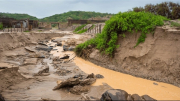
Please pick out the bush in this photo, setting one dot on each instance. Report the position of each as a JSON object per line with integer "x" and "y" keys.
{"x": 122, "y": 22}
{"x": 1, "y": 26}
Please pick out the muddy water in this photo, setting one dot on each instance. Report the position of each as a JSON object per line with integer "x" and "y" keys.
{"x": 129, "y": 83}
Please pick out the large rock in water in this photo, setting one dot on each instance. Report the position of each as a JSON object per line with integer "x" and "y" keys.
{"x": 121, "y": 95}
{"x": 71, "y": 82}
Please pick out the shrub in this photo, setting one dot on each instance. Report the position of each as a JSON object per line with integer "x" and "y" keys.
{"x": 122, "y": 22}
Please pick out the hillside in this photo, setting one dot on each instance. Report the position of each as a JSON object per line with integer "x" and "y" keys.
{"x": 74, "y": 15}
{"x": 18, "y": 16}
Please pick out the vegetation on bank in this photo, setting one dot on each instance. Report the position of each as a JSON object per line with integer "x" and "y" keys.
{"x": 1, "y": 26}
{"x": 118, "y": 24}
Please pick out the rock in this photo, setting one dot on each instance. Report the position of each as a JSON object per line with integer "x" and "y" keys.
{"x": 44, "y": 48}
{"x": 137, "y": 97}
{"x": 65, "y": 48}
{"x": 45, "y": 69}
{"x": 155, "y": 83}
{"x": 1, "y": 98}
{"x": 71, "y": 48}
{"x": 91, "y": 75}
{"x": 79, "y": 89}
{"x": 75, "y": 81}
{"x": 42, "y": 43}
{"x": 36, "y": 55}
{"x": 65, "y": 57}
{"x": 30, "y": 61}
{"x": 30, "y": 49}
{"x": 59, "y": 44}
{"x": 99, "y": 76}
{"x": 67, "y": 83}
{"x": 3, "y": 67}
{"x": 114, "y": 95}
{"x": 129, "y": 98}
{"x": 148, "y": 98}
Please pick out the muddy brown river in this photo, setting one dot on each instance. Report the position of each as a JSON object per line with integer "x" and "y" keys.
{"x": 129, "y": 83}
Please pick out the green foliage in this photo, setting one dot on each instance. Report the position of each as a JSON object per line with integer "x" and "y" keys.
{"x": 18, "y": 16}
{"x": 79, "y": 28}
{"x": 175, "y": 24}
{"x": 1, "y": 26}
{"x": 82, "y": 31}
{"x": 122, "y": 22}
{"x": 168, "y": 9}
{"x": 76, "y": 15}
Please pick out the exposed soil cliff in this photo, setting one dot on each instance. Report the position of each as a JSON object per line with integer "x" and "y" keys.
{"x": 158, "y": 58}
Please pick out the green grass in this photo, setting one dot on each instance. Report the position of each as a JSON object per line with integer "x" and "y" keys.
{"x": 120, "y": 23}
{"x": 79, "y": 28}
{"x": 175, "y": 24}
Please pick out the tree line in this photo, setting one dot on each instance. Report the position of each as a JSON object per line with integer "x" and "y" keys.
{"x": 168, "y": 9}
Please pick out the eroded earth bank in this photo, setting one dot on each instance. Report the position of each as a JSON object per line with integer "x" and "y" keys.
{"x": 43, "y": 66}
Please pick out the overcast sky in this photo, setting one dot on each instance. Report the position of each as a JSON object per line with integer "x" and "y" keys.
{"x": 45, "y": 8}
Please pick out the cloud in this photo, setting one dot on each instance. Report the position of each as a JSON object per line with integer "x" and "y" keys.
{"x": 44, "y": 8}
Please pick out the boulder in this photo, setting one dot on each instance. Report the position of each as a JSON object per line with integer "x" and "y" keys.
{"x": 59, "y": 44}
{"x": 65, "y": 48}
{"x": 75, "y": 81}
{"x": 114, "y": 95}
{"x": 148, "y": 98}
{"x": 91, "y": 75}
{"x": 99, "y": 76}
{"x": 137, "y": 97}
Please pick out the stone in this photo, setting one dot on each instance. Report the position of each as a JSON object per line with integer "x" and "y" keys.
{"x": 65, "y": 48}
{"x": 155, "y": 83}
{"x": 148, "y": 98}
{"x": 114, "y": 95}
{"x": 137, "y": 97}
{"x": 65, "y": 57}
{"x": 91, "y": 75}
{"x": 71, "y": 48}
{"x": 99, "y": 76}
{"x": 59, "y": 44}
{"x": 30, "y": 49}
{"x": 44, "y": 48}
{"x": 70, "y": 82}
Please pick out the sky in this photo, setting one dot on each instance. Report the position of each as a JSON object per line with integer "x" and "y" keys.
{"x": 45, "y": 8}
